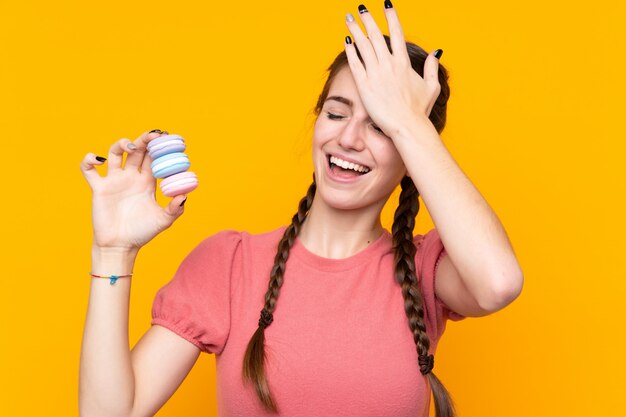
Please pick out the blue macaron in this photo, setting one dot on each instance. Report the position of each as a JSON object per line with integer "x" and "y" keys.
{"x": 170, "y": 164}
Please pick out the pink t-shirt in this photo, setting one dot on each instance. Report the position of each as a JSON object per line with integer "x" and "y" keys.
{"x": 339, "y": 345}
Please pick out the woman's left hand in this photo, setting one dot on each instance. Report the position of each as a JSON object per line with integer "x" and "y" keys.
{"x": 393, "y": 93}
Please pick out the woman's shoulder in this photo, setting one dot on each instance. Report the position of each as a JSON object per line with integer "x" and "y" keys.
{"x": 234, "y": 236}
{"x": 270, "y": 237}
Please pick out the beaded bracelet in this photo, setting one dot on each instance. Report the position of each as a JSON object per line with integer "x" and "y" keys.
{"x": 113, "y": 277}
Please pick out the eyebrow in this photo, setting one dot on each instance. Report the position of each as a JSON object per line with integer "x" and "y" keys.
{"x": 341, "y": 100}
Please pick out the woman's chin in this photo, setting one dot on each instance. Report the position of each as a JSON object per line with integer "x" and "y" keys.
{"x": 344, "y": 201}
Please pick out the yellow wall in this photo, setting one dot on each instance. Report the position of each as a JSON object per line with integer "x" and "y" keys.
{"x": 535, "y": 121}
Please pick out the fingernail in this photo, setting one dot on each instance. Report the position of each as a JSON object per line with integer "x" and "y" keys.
{"x": 155, "y": 130}
{"x": 362, "y": 9}
{"x": 165, "y": 132}
{"x": 101, "y": 158}
{"x": 131, "y": 146}
{"x": 183, "y": 203}
{"x": 349, "y": 17}
{"x": 348, "y": 40}
{"x": 388, "y": 4}
{"x": 438, "y": 53}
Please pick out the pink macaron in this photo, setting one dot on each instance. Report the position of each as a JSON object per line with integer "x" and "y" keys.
{"x": 180, "y": 183}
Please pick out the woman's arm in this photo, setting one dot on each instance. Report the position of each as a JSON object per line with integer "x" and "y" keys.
{"x": 115, "y": 381}
{"x": 399, "y": 101}
{"x": 125, "y": 217}
{"x": 472, "y": 234}
{"x": 106, "y": 380}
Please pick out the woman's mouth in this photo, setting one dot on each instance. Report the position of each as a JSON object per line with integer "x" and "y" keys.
{"x": 345, "y": 171}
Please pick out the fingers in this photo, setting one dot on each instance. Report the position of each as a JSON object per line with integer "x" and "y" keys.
{"x": 431, "y": 77}
{"x": 396, "y": 35}
{"x": 431, "y": 69}
{"x": 116, "y": 153}
{"x": 358, "y": 71}
{"x": 361, "y": 41}
{"x": 374, "y": 34}
{"x": 431, "y": 74}
{"x": 146, "y": 165}
{"x": 137, "y": 156}
{"x": 89, "y": 172}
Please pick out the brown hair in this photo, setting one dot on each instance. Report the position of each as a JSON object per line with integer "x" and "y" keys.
{"x": 403, "y": 246}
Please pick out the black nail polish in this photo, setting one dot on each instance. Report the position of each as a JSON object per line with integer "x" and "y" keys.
{"x": 155, "y": 130}
{"x": 348, "y": 40}
{"x": 388, "y": 4}
{"x": 438, "y": 53}
{"x": 165, "y": 132}
{"x": 362, "y": 9}
{"x": 101, "y": 158}
{"x": 183, "y": 203}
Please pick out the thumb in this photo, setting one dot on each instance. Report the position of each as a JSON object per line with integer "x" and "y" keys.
{"x": 176, "y": 206}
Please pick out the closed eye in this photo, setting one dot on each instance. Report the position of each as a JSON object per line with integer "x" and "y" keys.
{"x": 379, "y": 130}
{"x": 332, "y": 116}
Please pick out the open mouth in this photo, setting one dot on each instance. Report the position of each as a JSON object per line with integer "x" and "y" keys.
{"x": 339, "y": 165}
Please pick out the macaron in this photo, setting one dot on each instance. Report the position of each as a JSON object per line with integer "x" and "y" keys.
{"x": 170, "y": 164}
{"x": 164, "y": 145}
{"x": 180, "y": 183}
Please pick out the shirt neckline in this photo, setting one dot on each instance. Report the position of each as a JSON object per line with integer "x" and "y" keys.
{"x": 333, "y": 265}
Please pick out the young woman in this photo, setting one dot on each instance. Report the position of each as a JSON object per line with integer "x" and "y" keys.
{"x": 351, "y": 316}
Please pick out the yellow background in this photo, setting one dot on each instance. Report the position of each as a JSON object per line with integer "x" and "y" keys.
{"x": 535, "y": 121}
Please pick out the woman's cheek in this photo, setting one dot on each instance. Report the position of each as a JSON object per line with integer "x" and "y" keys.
{"x": 323, "y": 134}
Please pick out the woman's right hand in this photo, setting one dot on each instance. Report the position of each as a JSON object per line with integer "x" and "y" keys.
{"x": 125, "y": 213}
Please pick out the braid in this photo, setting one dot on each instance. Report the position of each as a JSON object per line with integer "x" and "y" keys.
{"x": 254, "y": 359}
{"x": 404, "y": 261}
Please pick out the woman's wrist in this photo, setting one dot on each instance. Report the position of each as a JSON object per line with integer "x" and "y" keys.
{"x": 112, "y": 261}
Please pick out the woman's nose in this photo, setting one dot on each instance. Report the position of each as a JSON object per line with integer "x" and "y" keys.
{"x": 351, "y": 137}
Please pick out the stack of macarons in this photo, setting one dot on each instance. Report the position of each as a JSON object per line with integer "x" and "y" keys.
{"x": 171, "y": 164}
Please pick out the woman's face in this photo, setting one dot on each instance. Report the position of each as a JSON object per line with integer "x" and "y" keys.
{"x": 343, "y": 129}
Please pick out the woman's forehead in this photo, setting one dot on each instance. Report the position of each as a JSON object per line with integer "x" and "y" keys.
{"x": 343, "y": 80}
{"x": 343, "y": 90}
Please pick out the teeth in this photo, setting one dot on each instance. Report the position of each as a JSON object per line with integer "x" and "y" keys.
{"x": 348, "y": 165}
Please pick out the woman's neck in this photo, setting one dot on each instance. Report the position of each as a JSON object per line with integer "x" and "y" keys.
{"x": 333, "y": 233}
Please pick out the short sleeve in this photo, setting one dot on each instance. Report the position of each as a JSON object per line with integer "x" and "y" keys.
{"x": 195, "y": 303}
{"x": 430, "y": 251}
